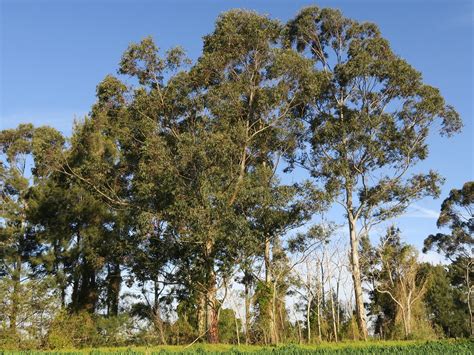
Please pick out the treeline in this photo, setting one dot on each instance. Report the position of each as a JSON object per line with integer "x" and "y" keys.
{"x": 167, "y": 216}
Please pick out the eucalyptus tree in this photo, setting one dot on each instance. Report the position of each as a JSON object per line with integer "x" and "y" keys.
{"x": 369, "y": 128}
{"x": 250, "y": 87}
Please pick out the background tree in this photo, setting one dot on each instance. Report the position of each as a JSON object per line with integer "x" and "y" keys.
{"x": 445, "y": 302}
{"x": 23, "y": 285}
{"x": 17, "y": 244}
{"x": 457, "y": 213}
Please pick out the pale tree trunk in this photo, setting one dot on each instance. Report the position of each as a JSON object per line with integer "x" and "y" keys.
{"x": 408, "y": 320}
{"x": 321, "y": 265}
{"x": 320, "y": 335}
{"x": 273, "y": 321}
{"x": 281, "y": 320}
{"x": 333, "y": 311}
{"x": 267, "y": 261}
{"x": 338, "y": 322}
{"x": 211, "y": 297}
{"x": 247, "y": 312}
{"x": 331, "y": 298}
{"x": 15, "y": 298}
{"x": 212, "y": 311}
{"x": 318, "y": 310}
{"x": 356, "y": 277}
{"x": 404, "y": 319}
{"x": 299, "y": 332}
{"x": 237, "y": 330}
{"x": 469, "y": 296}
{"x": 308, "y": 321}
{"x": 201, "y": 313}
{"x": 271, "y": 308}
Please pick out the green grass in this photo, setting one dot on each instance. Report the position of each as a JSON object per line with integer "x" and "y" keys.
{"x": 371, "y": 347}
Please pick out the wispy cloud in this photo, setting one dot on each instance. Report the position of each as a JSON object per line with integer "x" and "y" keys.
{"x": 417, "y": 211}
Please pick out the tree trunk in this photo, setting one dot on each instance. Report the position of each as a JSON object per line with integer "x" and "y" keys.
{"x": 201, "y": 313}
{"x": 408, "y": 320}
{"x": 404, "y": 319}
{"x": 469, "y": 296}
{"x": 271, "y": 286}
{"x": 273, "y": 321}
{"x": 338, "y": 311}
{"x": 333, "y": 311}
{"x": 87, "y": 293}
{"x": 212, "y": 310}
{"x": 237, "y": 330}
{"x": 308, "y": 320}
{"x": 267, "y": 261}
{"x": 15, "y": 299}
{"x": 318, "y": 311}
{"x": 113, "y": 290}
{"x": 157, "y": 320}
{"x": 323, "y": 296}
{"x": 211, "y": 297}
{"x": 356, "y": 277}
{"x": 247, "y": 310}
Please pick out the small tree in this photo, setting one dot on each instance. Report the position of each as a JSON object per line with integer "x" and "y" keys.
{"x": 396, "y": 273}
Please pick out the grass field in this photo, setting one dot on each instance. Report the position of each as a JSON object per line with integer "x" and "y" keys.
{"x": 371, "y": 347}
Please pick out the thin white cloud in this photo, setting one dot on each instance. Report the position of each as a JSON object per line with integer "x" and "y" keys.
{"x": 417, "y": 211}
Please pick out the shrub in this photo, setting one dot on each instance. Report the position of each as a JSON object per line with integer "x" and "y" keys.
{"x": 72, "y": 331}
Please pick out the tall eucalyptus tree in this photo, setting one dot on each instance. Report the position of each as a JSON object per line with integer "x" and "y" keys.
{"x": 369, "y": 128}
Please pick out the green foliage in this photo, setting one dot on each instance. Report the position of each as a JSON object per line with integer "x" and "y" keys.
{"x": 458, "y": 215}
{"x": 114, "y": 330}
{"x": 72, "y": 331}
{"x": 444, "y": 303}
{"x": 229, "y": 327}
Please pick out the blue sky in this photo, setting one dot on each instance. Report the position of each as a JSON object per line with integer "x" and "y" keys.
{"x": 53, "y": 54}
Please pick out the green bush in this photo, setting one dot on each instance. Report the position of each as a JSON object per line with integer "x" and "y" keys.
{"x": 72, "y": 331}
